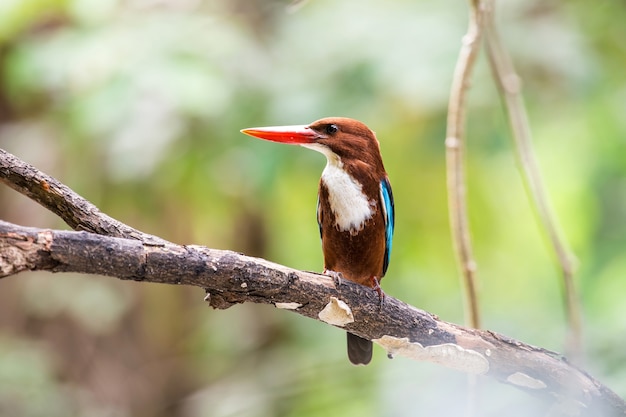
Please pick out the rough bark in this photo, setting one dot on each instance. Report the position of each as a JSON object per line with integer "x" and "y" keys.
{"x": 231, "y": 278}
{"x": 77, "y": 212}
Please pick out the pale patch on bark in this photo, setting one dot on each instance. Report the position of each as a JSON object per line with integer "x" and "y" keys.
{"x": 447, "y": 354}
{"x": 522, "y": 380}
{"x": 288, "y": 306}
{"x": 336, "y": 312}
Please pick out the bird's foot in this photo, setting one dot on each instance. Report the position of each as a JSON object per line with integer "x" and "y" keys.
{"x": 336, "y": 276}
{"x": 379, "y": 291}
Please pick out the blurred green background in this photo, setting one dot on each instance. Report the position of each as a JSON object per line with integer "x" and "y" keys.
{"x": 137, "y": 106}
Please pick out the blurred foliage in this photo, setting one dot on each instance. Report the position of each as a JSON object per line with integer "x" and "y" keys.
{"x": 137, "y": 106}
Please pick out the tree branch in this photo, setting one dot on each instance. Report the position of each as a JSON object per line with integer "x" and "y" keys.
{"x": 230, "y": 278}
{"x": 76, "y": 211}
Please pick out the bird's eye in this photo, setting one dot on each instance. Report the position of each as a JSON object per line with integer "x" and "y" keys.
{"x": 332, "y": 129}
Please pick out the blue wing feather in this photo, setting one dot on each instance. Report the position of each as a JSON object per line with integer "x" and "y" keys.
{"x": 386, "y": 200}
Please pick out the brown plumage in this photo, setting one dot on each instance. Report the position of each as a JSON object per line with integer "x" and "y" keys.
{"x": 355, "y": 209}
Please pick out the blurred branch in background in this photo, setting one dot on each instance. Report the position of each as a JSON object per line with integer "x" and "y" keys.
{"x": 510, "y": 87}
{"x": 230, "y": 278}
{"x": 457, "y": 184}
{"x": 481, "y": 19}
{"x": 455, "y": 144}
{"x": 482, "y": 25}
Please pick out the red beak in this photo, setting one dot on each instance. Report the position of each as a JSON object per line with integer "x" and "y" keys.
{"x": 284, "y": 134}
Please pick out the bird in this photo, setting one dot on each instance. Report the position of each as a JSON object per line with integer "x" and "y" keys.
{"x": 355, "y": 206}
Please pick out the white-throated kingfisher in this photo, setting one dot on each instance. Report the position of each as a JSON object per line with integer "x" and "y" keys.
{"x": 355, "y": 209}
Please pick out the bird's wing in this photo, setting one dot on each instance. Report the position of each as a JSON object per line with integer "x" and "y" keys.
{"x": 386, "y": 201}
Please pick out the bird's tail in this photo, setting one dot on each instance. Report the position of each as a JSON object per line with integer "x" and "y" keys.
{"x": 359, "y": 350}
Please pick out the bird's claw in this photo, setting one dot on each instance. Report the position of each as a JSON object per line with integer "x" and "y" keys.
{"x": 379, "y": 291}
{"x": 336, "y": 276}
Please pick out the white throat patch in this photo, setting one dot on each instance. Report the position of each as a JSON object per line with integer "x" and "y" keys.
{"x": 347, "y": 201}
